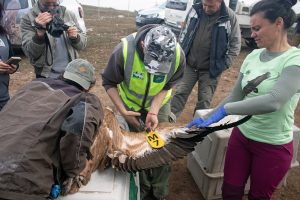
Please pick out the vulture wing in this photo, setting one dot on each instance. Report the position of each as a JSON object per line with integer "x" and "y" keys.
{"x": 178, "y": 143}
{"x": 130, "y": 151}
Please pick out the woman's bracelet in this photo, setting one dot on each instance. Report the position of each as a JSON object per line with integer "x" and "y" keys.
{"x": 150, "y": 113}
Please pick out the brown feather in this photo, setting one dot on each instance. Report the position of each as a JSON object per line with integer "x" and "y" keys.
{"x": 130, "y": 151}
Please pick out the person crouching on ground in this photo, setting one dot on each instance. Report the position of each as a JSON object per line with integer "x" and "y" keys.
{"x": 46, "y": 131}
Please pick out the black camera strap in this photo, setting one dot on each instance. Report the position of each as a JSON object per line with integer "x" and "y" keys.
{"x": 48, "y": 46}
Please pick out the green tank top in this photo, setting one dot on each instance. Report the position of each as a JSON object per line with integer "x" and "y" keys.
{"x": 276, "y": 127}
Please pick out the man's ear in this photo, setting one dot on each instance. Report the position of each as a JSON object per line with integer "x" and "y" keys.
{"x": 142, "y": 44}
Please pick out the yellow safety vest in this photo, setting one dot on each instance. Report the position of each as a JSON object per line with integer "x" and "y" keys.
{"x": 139, "y": 87}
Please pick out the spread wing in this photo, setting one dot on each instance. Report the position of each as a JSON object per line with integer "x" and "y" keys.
{"x": 178, "y": 143}
{"x": 130, "y": 151}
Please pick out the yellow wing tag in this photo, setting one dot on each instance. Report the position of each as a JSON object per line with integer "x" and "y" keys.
{"x": 154, "y": 140}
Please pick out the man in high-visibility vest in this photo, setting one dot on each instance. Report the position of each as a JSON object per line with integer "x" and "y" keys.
{"x": 139, "y": 78}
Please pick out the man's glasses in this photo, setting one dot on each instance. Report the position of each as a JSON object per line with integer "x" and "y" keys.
{"x": 48, "y": 6}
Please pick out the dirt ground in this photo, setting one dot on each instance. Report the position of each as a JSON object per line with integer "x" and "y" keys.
{"x": 105, "y": 29}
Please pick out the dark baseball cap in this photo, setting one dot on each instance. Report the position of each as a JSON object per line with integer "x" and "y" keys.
{"x": 81, "y": 72}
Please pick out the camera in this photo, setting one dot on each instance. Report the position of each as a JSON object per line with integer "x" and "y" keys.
{"x": 57, "y": 26}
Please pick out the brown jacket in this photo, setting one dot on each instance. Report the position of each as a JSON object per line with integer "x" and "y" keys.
{"x": 46, "y": 131}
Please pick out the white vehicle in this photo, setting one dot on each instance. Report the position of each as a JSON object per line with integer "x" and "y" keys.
{"x": 175, "y": 13}
{"x": 153, "y": 15}
{"x": 243, "y": 9}
{"x": 75, "y": 7}
{"x": 13, "y": 12}
{"x": 243, "y": 15}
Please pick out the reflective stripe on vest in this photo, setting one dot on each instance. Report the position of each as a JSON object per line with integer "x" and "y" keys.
{"x": 133, "y": 90}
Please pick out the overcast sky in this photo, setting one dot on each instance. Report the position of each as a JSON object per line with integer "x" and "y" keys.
{"x": 122, "y": 4}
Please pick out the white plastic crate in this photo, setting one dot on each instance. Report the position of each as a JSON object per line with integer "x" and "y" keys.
{"x": 209, "y": 184}
{"x": 105, "y": 185}
{"x": 296, "y": 138}
{"x": 210, "y": 153}
{"x": 206, "y": 163}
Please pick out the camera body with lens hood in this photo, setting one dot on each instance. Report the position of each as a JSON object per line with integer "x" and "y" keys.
{"x": 57, "y": 26}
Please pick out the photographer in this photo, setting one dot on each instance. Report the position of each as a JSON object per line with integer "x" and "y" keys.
{"x": 51, "y": 38}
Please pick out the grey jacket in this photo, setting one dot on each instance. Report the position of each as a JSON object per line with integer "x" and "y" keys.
{"x": 226, "y": 37}
{"x": 35, "y": 48}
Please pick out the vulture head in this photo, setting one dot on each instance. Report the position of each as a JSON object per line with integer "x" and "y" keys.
{"x": 130, "y": 151}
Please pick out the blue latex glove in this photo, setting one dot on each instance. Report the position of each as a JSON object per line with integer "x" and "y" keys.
{"x": 215, "y": 117}
{"x": 194, "y": 122}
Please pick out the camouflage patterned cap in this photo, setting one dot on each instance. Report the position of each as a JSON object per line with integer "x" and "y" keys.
{"x": 159, "y": 50}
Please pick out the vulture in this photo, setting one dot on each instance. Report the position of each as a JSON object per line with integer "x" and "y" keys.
{"x": 130, "y": 151}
